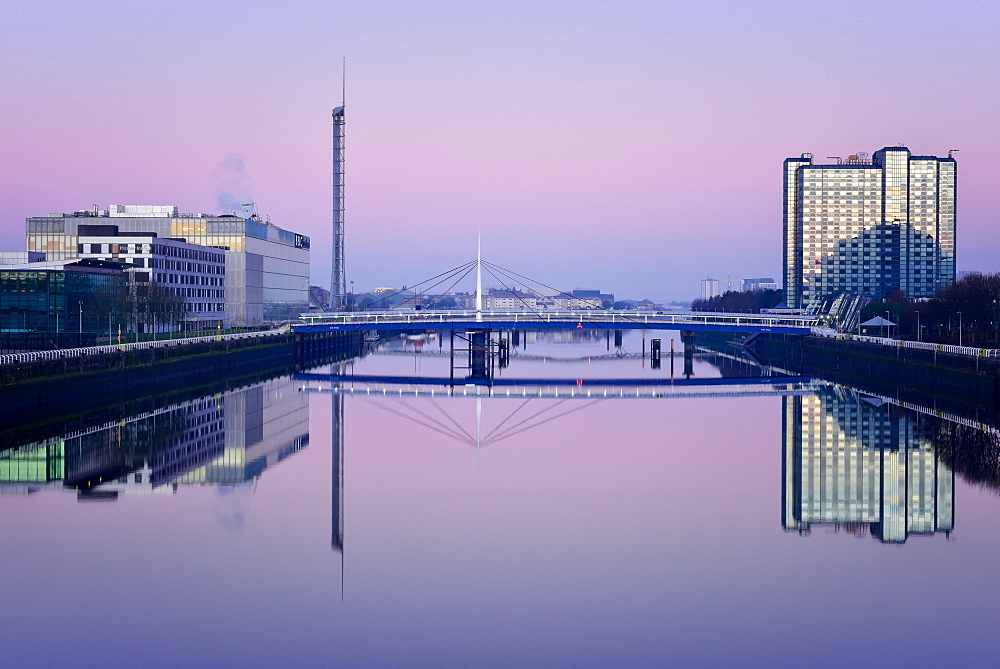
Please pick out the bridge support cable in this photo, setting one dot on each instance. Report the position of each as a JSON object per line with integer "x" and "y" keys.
{"x": 452, "y": 434}
{"x": 451, "y": 418}
{"x": 514, "y": 293}
{"x": 509, "y": 416}
{"x": 446, "y": 274}
{"x": 461, "y": 275}
{"x": 514, "y": 431}
{"x": 510, "y": 274}
{"x": 456, "y": 281}
{"x": 435, "y": 420}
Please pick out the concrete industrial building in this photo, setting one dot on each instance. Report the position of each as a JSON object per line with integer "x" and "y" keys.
{"x": 868, "y": 226}
{"x": 266, "y": 267}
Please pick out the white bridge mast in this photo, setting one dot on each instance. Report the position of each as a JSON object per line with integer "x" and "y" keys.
{"x": 479, "y": 279}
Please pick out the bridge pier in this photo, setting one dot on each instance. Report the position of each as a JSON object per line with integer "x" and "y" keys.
{"x": 479, "y": 354}
{"x": 687, "y": 336}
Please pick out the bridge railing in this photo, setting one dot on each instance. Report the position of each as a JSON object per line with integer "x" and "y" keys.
{"x": 529, "y": 317}
{"x": 64, "y": 353}
{"x": 922, "y": 345}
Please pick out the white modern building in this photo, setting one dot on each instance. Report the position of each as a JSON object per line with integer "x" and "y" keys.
{"x": 195, "y": 273}
{"x": 267, "y": 267}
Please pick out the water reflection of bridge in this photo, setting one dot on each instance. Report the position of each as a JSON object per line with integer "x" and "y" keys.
{"x": 634, "y": 388}
{"x": 852, "y": 462}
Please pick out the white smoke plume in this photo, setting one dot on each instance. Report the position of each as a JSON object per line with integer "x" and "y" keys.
{"x": 231, "y": 183}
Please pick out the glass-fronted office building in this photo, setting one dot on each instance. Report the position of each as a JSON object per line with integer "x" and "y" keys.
{"x": 267, "y": 267}
{"x": 57, "y": 300}
{"x": 868, "y": 226}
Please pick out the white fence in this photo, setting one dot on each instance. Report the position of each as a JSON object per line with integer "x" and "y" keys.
{"x": 902, "y": 343}
{"x": 64, "y": 353}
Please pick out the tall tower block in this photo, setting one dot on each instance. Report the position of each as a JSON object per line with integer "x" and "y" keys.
{"x": 338, "y": 283}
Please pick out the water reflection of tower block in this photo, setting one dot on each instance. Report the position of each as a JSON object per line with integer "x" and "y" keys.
{"x": 688, "y": 338}
{"x": 654, "y": 354}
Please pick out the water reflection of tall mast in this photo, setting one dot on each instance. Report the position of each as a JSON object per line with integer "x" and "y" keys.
{"x": 860, "y": 465}
{"x": 337, "y": 474}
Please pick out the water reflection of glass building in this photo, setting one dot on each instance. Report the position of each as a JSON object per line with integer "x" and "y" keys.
{"x": 263, "y": 426}
{"x": 863, "y": 466}
{"x": 228, "y": 438}
{"x": 267, "y": 267}
{"x": 868, "y": 226}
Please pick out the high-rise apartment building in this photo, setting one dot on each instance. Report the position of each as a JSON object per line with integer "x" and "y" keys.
{"x": 868, "y": 226}
{"x": 266, "y": 267}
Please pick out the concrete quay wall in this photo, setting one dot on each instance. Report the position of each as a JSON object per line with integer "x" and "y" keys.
{"x": 32, "y": 392}
{"x": 889, "y": 370}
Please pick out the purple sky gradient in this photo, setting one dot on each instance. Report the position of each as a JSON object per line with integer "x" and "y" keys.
{"x": 633, "y": 147}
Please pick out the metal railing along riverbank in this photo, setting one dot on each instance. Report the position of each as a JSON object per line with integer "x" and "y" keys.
{"x": 903, "y": 343}
{"x": 64, "y": 353}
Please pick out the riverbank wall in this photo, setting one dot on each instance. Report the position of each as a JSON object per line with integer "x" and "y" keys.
{"x": 30, "y": 393}
{"x": 969, "y": 385}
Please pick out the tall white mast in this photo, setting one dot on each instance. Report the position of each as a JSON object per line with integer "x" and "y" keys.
{"x": 479, "y": 279}
{"x": 338, "y": 279}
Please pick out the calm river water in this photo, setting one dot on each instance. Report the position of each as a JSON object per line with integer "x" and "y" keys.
{"x": 609, "y": 521}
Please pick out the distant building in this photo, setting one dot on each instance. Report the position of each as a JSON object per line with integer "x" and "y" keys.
{"x": 763, "y": 283}
{"x": 709, "y": 288}
{"x": 571, "y": 302}
{"x": 509, "y": 300}
{"x": 267, "y": 267}
{"x": 967, "y": 272}
{"x": 868, "y": 226}
{"x": 594, "y": 295}
{"x": 319, "y": 298}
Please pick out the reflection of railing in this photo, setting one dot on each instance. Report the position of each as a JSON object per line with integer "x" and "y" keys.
{"x": 60, "y": 354}
{"x": 922, "y": 345}
{"x": 396, "y": 386}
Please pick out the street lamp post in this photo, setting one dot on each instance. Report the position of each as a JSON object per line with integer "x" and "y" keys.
{"x": 959, "y": 328}
{"x": 886, "y": 326}
{"x": 918, "y": 326}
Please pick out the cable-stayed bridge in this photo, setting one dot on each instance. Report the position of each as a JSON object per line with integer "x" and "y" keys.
{"x": 466, "y": 320}
{"x": 529, "y": 317}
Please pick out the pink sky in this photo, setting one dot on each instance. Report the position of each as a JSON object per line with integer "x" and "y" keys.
{"x": 631, "y": 147}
